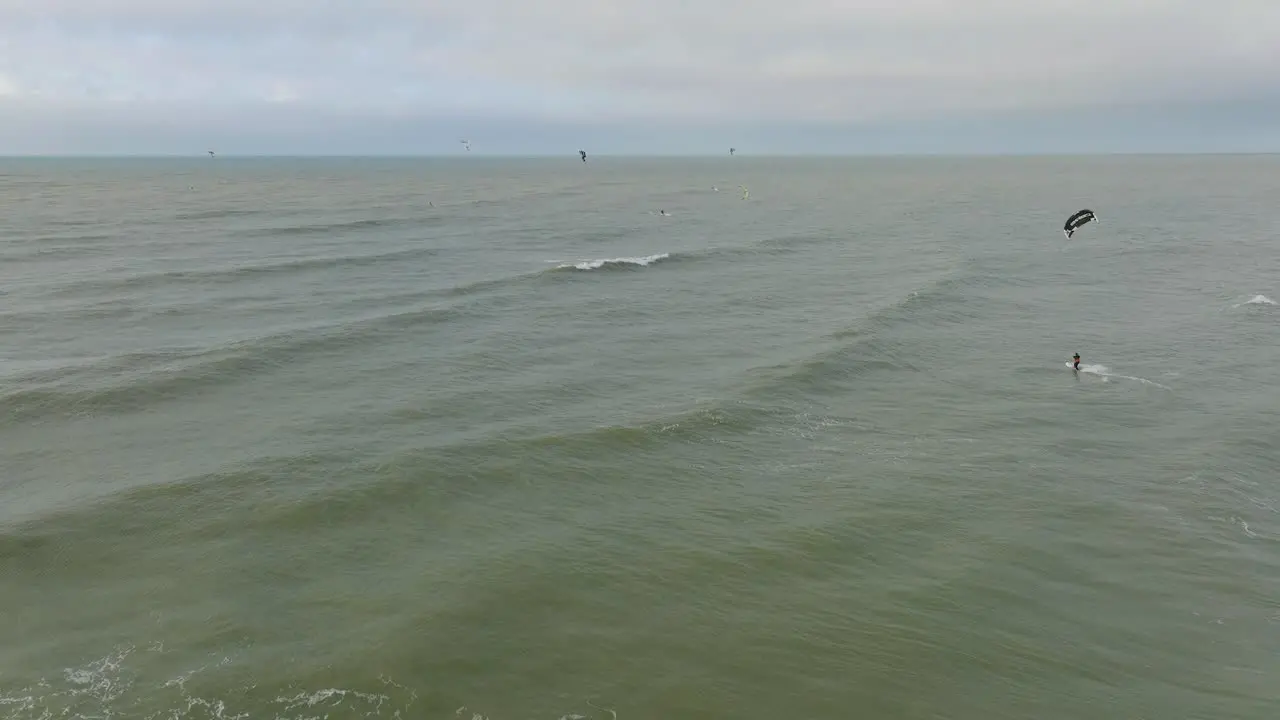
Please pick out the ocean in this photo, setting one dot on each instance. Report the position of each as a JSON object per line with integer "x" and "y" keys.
{"x": 731, "y": 437}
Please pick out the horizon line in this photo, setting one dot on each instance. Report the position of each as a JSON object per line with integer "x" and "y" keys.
{"x": 630, "y": 155}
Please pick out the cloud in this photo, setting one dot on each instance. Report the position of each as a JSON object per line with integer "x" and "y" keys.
{"x": 661, "y": 61}
{"x": 817, "y": 59}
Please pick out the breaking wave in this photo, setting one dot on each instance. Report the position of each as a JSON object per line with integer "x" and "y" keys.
{"x": 614, "y": 263}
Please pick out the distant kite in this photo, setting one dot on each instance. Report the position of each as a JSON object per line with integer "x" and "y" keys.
{"x": 466, "y": 144}
{"x": 1074, "y": 222}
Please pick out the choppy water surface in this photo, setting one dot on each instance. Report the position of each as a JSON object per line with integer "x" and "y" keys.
{"x": 426, "y": 438}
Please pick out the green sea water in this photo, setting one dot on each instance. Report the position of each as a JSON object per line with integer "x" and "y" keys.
{"x": 349, "y": 438}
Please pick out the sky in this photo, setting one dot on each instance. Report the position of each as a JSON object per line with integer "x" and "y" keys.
{"x": 660, "y": 77}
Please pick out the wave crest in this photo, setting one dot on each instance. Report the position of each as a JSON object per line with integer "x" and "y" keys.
{"x": 1257, "y": 300}
{"x": 614, "y": 263}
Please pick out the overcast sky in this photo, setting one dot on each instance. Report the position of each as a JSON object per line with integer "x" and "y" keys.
{"x": 659, "y": 76}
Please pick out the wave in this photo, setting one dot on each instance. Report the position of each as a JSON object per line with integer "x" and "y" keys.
{"x": 113, "y": 309}
{"x": 93, "y": 237}
{"x": 794, "y": 241}
{"x": 60, "y": 252}
{"x": 868, "y": 345}
{"x": 143, "y": 380}
{"x": 223, "y": 214}
{"x": 559, "y": 267}
{"x": 498, "y": 461}
{"x": 48, "y": 367}
{"x": 113, "y": 686}
{"x": 315, "y": 484}
{"x": 829, "y": 371}
{"x": 234, "y": 273}
{"x": 606, "y": 235}
{"x": 294, "y": 490}
{"x": 708, "y": 253}
{"x": 778, "y": 245}
{"x": 73, "y": 222}
{"x": 1256, "y": 300}
{"x": 237, "y": 272}
{"x": 614, "y": 263}
{"x": 125, "y": 679}
{"x": 339, "y": 227}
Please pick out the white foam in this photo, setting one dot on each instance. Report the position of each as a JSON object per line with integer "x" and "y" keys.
{"x": 1105, "y": 373}
{"x": 596, "y": 264}
{"x": 108, "y": 688}
{"x": 1257, "y": 300}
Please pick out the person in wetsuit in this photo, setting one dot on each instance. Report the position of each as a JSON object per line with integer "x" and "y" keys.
{"x": 1075, "y": 361}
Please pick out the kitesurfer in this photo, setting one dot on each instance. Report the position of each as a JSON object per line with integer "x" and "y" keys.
{"x": 1075, "y": 361}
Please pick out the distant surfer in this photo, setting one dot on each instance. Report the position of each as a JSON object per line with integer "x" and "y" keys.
{"x": 1075, "y": 361}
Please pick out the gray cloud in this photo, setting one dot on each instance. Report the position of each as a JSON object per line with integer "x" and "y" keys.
{"x": 661, "y": 61}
